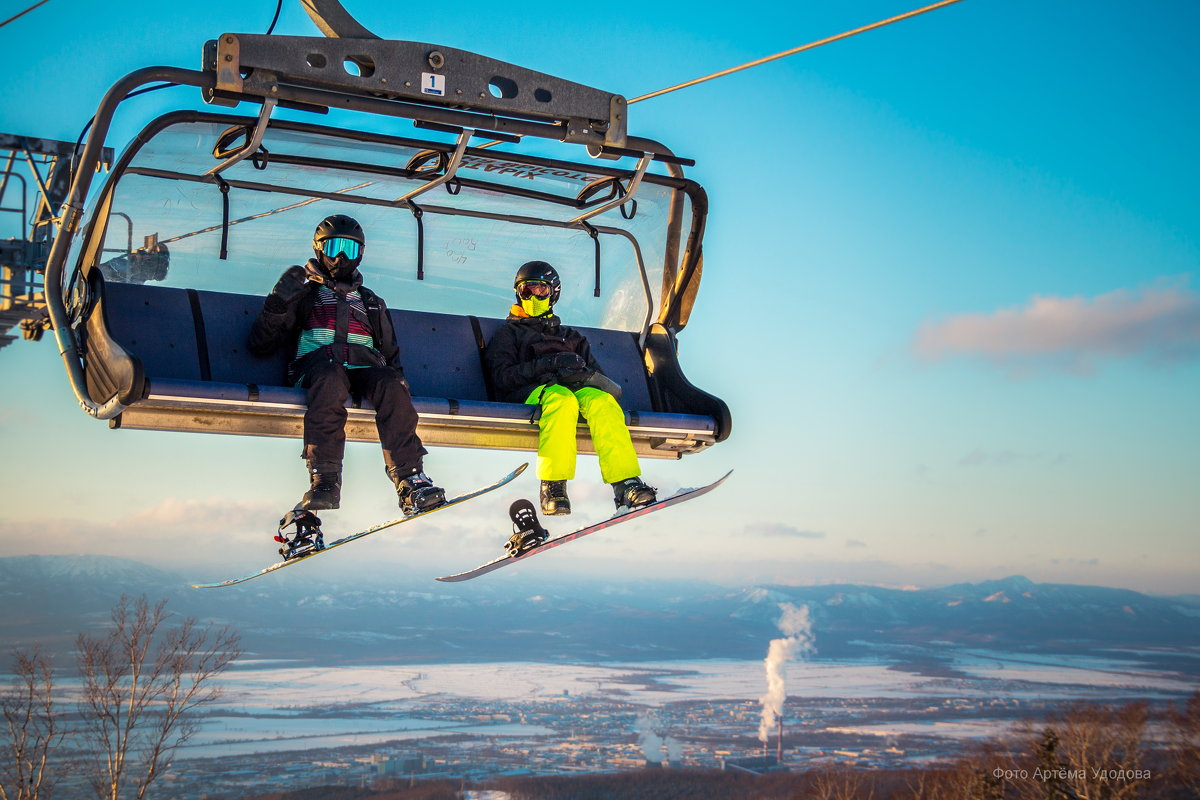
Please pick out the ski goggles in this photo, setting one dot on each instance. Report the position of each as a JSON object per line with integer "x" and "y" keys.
{"x": 531, "y": 289}
{"x": 341, "y": 246}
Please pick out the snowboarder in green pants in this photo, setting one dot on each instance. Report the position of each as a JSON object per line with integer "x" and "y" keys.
{"x": 536, "y": 359}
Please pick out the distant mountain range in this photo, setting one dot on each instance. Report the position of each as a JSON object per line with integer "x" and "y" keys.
{"x": 50, "y": 599}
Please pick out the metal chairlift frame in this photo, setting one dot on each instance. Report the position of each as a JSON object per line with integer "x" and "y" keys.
{"x": 312, "y": 73}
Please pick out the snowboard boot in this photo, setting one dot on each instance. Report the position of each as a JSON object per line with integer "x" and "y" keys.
{"x": 554, "y": 498}
{"x": 325, "y": 493}
{"x": 415, "y": 491}
{"x": 633, "y": 493}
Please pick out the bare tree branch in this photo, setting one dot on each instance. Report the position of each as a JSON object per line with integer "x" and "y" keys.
{"x": 143, "y": 681}
{"x": 32, "y": 729}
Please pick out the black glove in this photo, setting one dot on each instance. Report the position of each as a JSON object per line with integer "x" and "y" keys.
{"x": 552, "y": 364}
{"x": 563, "y": 364}
{"x": 291, "y": 287}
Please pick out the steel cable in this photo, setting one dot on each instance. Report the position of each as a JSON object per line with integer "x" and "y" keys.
{"x": 800, "y": 49}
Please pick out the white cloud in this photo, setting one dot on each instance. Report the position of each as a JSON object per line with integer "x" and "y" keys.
{"x": 213, "y": 514}
{"x": 782, "y": 530}
{"x": 981, "y": 458}
{"x": 174, "y": 531}
{"x": 1160, "y": 324}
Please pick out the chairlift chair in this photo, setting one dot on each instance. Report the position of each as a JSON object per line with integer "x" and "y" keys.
{"x": 153, "y": 336}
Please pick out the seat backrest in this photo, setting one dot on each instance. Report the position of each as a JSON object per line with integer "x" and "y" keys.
{"x": 184, "y": 334}
{"x": 227, "y": 322}
{"x": 440, "y": 355}
{"x": 156, "y": 325}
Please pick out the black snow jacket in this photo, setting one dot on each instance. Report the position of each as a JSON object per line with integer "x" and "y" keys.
{"x": 517, "y": 355}
{"x": 287, "y": 308}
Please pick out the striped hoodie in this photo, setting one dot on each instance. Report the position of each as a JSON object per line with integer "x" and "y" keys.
{"x": 320, "y": 328}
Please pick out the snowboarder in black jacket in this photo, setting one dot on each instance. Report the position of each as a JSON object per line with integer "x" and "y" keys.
{"x": 534, "y": 358}
{"x": 341, "y": 339}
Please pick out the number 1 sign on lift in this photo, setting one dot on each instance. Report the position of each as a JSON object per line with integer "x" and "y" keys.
{"x": 432, "y": 83}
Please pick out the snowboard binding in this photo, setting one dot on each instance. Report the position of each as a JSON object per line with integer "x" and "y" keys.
{"x": 528, "y": 533}
{"x": 306, "y": 539}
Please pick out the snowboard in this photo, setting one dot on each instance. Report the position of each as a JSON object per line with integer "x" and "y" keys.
{"x": 505, "y": 560}
{"x": 375, "y": 529}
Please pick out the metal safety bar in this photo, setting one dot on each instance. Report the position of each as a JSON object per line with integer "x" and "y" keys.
{"x": 634, "y": 183}
{"x": 451, "y": 168}
{"x": 253, "y": 142}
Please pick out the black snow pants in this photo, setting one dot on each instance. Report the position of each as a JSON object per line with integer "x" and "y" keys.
{"x": 329, "y": 385}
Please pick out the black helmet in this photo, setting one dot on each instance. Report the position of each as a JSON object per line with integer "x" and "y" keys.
{"x": 539, "y": 271}
{"x": 340, "y": 226}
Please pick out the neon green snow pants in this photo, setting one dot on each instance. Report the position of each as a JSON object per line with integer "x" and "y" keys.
{"x": 561, "y": 409}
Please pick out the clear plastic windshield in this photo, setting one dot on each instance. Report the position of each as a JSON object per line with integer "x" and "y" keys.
{"x": 501, "y": 211}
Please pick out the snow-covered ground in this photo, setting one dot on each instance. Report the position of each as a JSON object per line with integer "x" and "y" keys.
{"x": 272, "y": 706}
{"x": 292, "y": 689}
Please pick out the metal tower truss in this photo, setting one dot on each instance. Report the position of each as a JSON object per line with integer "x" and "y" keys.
{"x": 29, "y": 204}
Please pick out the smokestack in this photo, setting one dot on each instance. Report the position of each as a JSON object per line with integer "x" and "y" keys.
{"x": 779, "y": 742}
{"x": 797, "y": 643}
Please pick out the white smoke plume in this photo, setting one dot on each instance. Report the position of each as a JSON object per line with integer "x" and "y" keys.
{"x": 795, "y": 625}
{"x": 654, "y": 743}
{"x": 651, "y": 743}
{"x": 674, "y": 750}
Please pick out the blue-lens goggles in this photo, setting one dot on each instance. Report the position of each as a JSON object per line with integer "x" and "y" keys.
{"x": 341, "y": 246}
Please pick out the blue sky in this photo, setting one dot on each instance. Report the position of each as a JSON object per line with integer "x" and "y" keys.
{"x": 950, "y": 296}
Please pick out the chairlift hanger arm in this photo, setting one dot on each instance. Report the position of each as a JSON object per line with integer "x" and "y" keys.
{"x": 334, "y": 20}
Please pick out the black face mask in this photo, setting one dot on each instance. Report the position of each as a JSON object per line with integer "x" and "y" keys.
{"x": 344, "y": 277}
{"x": 341, "y": 268}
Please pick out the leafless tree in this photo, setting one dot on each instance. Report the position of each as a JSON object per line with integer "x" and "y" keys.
{"x": 32, "y": 729}
{"x": 142, "y": 681}
{"x": 841, "y": 783}
{"x": 1185, "y": 745}
{"x": 1090, "y": 751}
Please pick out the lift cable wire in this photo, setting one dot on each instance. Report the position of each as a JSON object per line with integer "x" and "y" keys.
{"x": 275, "y": 19}
{"x": 23, "y": 13}
{"x": 784, "y": 54}
{"x": 800, "y": 49}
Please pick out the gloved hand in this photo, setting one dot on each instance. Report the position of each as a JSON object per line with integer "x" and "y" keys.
{"x": 291, "y": 286}
{"x": 564, "y": 367}
{"x": 563, "y": 364}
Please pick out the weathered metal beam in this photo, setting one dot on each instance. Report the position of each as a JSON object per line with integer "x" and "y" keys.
{"x": 426, "y": 75}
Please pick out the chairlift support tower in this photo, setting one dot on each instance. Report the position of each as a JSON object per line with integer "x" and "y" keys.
{"x": 37, "y": 173}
